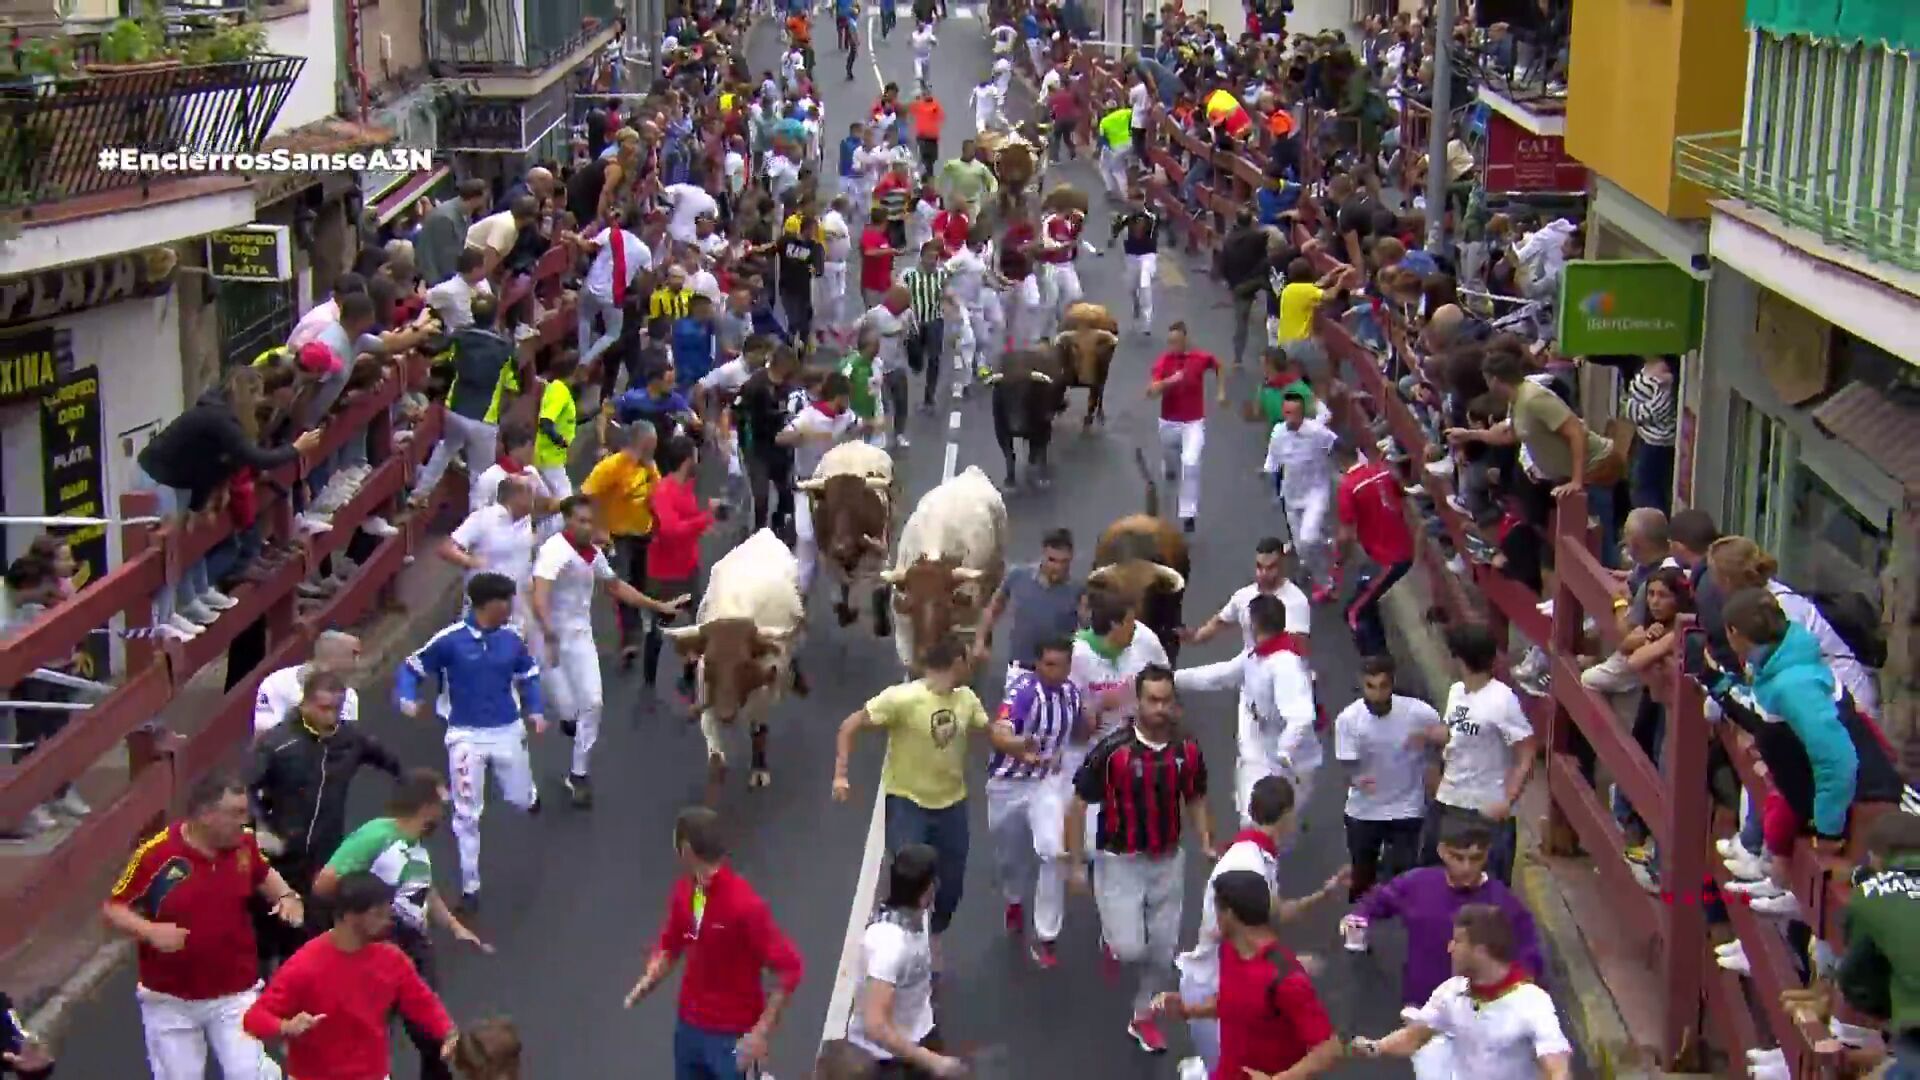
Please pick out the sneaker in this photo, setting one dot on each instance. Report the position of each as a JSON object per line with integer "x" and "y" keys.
{"x": 902, "y": 442}
{"x": 1540, "y": 685}
{"x": 379, "y": 526}
{"x": 1416, "y": 490}
{"x": 1756, "y": 888}
{"x": 313, "y": 523}
{"x": 1045, "y": 956}
{"x": 71, "y": 804}
{"x": 580, "y": 789}
{"x": 1747, "y": 866}
{"x": 1734, "y": 959}
{"x": 313, "y": 590}
{"x": 1016, "y": 919}
{"x": 1785, "y": 905}
{"x": 1459, "y": 506}
{"x": 199, "y": 613}
{"x": 1770, "y": 1055}
{"x": 1459, "y": 565}
{"x": 180, "y": 628}
{"x": 217, "y": 600}
{"x": 1771, "y": 1070}
{"x": 1641, "y": 853}
{"x": 1146, "y": 1031}
{"x": 1544, "y": 607}
{"x": 1441, "y": 468}
{"x": 40, "y": 819}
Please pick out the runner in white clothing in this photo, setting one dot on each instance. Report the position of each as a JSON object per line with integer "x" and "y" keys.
{"x": 334, "y": 651}
{"x": 1269, "y": 579}
{"x": 967, "y": 283}
{"x": 499, "y": 539}
{"x": 923, "y": 43}
{"x": 1300, "y": 451}
{"x": 837, "y": 240}
{"x": 1277, "y": 714}
{"x": 566, "y": 571}
{"x": 985, "y": 101}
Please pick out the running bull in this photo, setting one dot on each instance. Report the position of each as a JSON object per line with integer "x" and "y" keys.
{"x": 1144, "y": 558}
{"x": 851, "y": 492}
{"x": 744, "y": 639}
{"x": 1088, "y": 335}
{"x": 1029, "y": 390}
{"x": 951, "y": 557}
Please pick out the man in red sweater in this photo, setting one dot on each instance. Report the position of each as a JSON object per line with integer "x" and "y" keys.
{"x": 332, "y": 1001}
{"x": 730, "y": 940}
{"x": 1372, "y": 511}
{"x": 1179, "y": 380}
{"x": 673, "y": 555}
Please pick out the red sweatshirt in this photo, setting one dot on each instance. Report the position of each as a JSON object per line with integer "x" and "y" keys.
{"x": 678, "y": 522}
{"x": 1370, "y": 501}
{"x": 356, "y": 992}
{"x": 728, "y": 947}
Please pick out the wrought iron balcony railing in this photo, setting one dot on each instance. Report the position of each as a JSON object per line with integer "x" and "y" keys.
{"x": 492, "y": 37}
{"x": 53, "y": 131}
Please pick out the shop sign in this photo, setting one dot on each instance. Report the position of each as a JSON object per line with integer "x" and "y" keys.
{"x": 33, "y": 363}
{"x": 70, "y": 289}
{"x": 1629, "y": 308}
{"x": 1519, "y": 160}
{"x": 71, "y": 446}
{"x": 477, "y": 125}
{"x": 251, "y": 253}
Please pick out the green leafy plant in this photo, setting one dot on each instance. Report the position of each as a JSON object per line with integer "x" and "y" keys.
{"x": 131, "y": 41}
{"x": 47, "y": 56}
{"x": 234, "y": 41}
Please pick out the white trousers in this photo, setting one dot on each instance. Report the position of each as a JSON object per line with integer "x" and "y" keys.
{"x": 1140, "y": 901}
{"x": 1255, "y": 761}
{"x": 179, "y": 1032}
{"x": 1181, "y": 442}
{"x": 471, "y": 754}
{"x": 1205, "y": 1033}
{"x": 833, "y": 293}
{"x": 475, "y": 438}
{"x": 920, "y": 69}
{"x": 1307, "y": 520}
{"x": 1434, "y": 1061}
{"x": 971, "y": 348}
{"x": 1026, "y": 820}
{"x": 572, "y": 679}
{"x": 1059, "y": 289}
{"x": 804, "y": 547}
{"x": 1113, "y": 170}
{"x": 1140, "y": 271}
{"x": 557, "y": 481}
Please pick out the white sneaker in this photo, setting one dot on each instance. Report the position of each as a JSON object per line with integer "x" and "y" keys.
{"x": 180, "y": 627}
{"x": 358, "y": 472}
{"x": 1770, "y": 1071}
{"x": 1545, "y": 607}
{"x": 41, "y": 819}
{"x": 1727, "y": 948}
{"x": 379, "y": 526}
{"x": 1770, "y": 1055}
{"x": 1443, "y": 467}
{"x": 1782, "y": 905}
{"x": 1459, "y": 566}
{"x": 218, "y": 600}
{"x": 72, "y": 804}
{"x": 1416, "y": 490}
{"x": 1735, "y": 960}
{"x": 1746, "y": 866}
{"x": 199, "y": 613}
{"x": 1755, "y": 888}
{"x": 313, "y": 522}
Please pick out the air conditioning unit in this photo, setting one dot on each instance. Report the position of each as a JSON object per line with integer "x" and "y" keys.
{"x": 475, "y": 32}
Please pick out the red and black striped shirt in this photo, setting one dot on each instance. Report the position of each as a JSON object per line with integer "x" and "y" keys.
{"x": 1141, "y": 790}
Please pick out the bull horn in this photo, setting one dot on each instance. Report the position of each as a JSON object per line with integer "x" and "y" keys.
{"x": 967, "y": 573}
{"x": 1170, "y": 578}
{"x": 1097, "y": 577}
{"x": 875, "y": 542}
{"x": 771, "y": 636}
{"x": 994, "y": 379}
{"x": 880, "y": 483}
{"x": 681, "y": 633}
{"x": 1061, "y": 339}
{"x": 815, "y": 484}
{"x": 1041, "y": 377}
{"x": 893, "y": 577}
{"x": 1108, "y": 336}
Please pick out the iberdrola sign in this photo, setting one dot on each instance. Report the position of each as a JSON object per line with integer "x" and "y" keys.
{"x": 1629, "y": 308}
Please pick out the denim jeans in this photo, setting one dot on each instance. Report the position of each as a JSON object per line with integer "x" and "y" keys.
{"x": 699, "y": 1054}
{"x": 945, "y": 831}
{"x": 1906, "y": 1056}
{"x": 173, "y": 503}
{"x": 1651, "y": 477}
{"x": 611, "y": 316}
{"x": 233, "y": 553}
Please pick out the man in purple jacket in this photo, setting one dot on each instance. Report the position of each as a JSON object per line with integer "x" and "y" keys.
{"x": 1425, "y": 901}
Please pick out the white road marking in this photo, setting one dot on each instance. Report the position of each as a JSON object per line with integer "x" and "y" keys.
{"x": 952, "y": 464}
{"x": 953, "y": 421}
{"x": 846, "y": 982}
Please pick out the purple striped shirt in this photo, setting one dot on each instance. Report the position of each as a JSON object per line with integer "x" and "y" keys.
{"x": 1048, "y": 713}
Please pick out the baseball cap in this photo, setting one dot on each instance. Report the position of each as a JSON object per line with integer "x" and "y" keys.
{"x": 316, "y": 359}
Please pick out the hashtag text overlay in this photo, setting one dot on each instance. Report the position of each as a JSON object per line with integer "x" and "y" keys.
{"x": 129, "y": 159}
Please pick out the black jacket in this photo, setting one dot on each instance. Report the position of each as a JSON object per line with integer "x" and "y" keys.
{"x": 299, "y": 782}
{"x": 13, "y": 1037}
{"x": 203, "y": 447}
{"x": 1243, "y": 259}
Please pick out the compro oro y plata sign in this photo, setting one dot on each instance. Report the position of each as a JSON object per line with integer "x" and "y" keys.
{"x": 251, "y": 253}
{"x": 1629, "y": 308}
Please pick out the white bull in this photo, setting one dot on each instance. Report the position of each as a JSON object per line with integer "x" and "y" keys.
{"x": 949, "y": 560}
{"x": 850, "y": 505}
{"x": 747, "y": 632}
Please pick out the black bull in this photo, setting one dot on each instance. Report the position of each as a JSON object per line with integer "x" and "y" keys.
{"x": 1029, "y": 390}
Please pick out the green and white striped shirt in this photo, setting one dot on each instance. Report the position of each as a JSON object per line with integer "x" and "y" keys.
{"x": 924, "y": 289}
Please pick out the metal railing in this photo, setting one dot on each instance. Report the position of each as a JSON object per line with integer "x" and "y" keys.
{"x": 490, "y": 37}
{"x": 52, "y": 131}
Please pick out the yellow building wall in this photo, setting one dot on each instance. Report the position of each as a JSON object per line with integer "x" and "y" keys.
{"x": 1644, "y": 72}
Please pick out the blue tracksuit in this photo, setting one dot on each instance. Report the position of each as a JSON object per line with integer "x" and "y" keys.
{"x": 1792, "y": 683}
{"x": 489, "y": 675}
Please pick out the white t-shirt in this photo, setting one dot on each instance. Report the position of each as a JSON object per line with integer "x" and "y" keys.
{"x": 781, "y": 174}
{"x": 1303, "y": 458}
{"x": 504, "y": 545}
{"x": 280, "y": 694}
{"x": 1482, "y": 728}
{"x": 734, "y": 168}
{"x": 1139, "y": 101}
{"x": 923, "y": 42}
{"x": 903, "y": 959}
{"x": 570, "y": 603}
{"x": 1095, "y": 674}
{"x": 317, "y": 319}
{"x": 452, "y": 300}
{"x": 600, "y": 274}
{"x": 1377, "y": 748}
{"x": 811, "y": 421}
{"x": 486, "y": 489}
{"x": 891, "y": 330}
{"x": 1299, "y": 611}
{"x": 1502, "y": 1039}
{"x": 967, "y": 276}
{"x": 727, "y": 379}
{"x": 985, "y": 100}
{"x": 839, "y": 242}
{"x": 920, "y": 225}
{"x": 495, "y": 232}
{"x": 1202, "y": 962}
{"x": 689, "y": 202}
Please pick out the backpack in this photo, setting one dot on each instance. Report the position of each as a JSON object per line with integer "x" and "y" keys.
{"x": 1855, "y": 618}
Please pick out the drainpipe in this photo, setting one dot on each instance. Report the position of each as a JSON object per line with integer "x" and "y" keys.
{"x": 357, "y": 96}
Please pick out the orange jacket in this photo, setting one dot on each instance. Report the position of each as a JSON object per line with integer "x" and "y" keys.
{"x": 927, "y": 116}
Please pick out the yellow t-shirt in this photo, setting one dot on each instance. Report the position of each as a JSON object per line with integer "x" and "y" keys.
{"x": 1297, "y": 303}
{"x": 792, "y": 228}
{"x": 495, "y": 232}
{"x": 622, "y": 489}
{"x": 556, "y": 404}
{"x": 669, "y": 303}
{"x": 926, "y": 741}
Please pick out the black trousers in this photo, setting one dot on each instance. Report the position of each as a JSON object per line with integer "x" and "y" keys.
{"x": 419, "y": 949}
{"x": 799, "y": 309}
{"x": 630, "y": 561}
{"x": 770, "y": 481}
{"x": 1380, "y": 850}
{"x": 923, "y": 354}
{"x": 661, "y": 589}
{"x": 929, "y": 155}
{"x": 1363, "y": 611}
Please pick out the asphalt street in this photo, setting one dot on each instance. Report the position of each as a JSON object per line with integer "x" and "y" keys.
{"x": 573, "y": 899}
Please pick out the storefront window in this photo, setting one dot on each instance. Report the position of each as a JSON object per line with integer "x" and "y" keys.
{"x": 1823, "y": 542}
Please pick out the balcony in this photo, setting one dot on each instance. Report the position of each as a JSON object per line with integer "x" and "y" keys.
{"x": 53, "y": 129}
{"x": 477, "y": 38}
{"x": 1828, "y": 145}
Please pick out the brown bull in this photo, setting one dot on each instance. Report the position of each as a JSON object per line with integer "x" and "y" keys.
{"x": 1143, "y": 558}
{"x": 852, "y": 518}
{"x": 1085, "y": 344}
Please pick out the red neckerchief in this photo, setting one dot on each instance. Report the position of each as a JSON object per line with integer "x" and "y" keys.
{"x": 619, "y": 243}
{"x": 509, "y": 464}
{"x": 1281, "y": 643}
{"x": 827, "y": 409}
{"x": 586, "y": 550}
{"x": 1259, "y": 839}
{"x": 1280, "y": 382}
{"x": 1481, "y": 995}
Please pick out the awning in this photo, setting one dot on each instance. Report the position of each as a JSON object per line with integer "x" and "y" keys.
{"x": 1878, "y": 428}
{"x": 393, "y": 201}
{"x": 333, "y": 135}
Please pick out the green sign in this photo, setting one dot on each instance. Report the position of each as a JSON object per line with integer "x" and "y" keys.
{"x": 1629, "y": 308}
